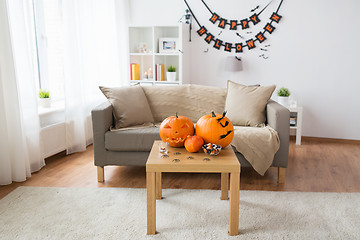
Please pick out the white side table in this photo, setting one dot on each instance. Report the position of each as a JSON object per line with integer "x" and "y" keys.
{"x": 298, "y": 125}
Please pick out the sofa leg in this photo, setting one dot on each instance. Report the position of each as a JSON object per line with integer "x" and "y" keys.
{"x": 281, "y": 175}
{"x": 100, "y": 174}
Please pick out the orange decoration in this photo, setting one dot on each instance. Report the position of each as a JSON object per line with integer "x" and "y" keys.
{"x": 193, "y": 143}
{"x": 175, "y": 130}
{"x": 215, "y": 128}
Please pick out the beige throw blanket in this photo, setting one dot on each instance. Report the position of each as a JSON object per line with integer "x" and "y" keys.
{"x": 258, "y": 145}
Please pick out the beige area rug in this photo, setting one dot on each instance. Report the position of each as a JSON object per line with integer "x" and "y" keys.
{"x": 120, "y": 213}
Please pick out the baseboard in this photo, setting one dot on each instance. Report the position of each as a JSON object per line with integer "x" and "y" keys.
{"x": 322, "y": 139}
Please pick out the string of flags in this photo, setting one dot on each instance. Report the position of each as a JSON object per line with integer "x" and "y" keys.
{"x": 239, "y": 46}
{"x": 233, "y": 24}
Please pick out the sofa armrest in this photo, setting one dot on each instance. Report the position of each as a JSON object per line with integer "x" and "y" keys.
{"x": 278, "y": 118}
{"x": 102, "y": 120}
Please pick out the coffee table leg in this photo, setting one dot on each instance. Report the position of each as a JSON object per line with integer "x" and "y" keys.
{"x": 158, "y": 185}
{"x": 234, "y": 204}
{"x": 151, "y": 203}
{"x": 224, "y": 186}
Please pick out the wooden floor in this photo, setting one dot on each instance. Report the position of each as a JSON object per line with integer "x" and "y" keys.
{"x": 314, "y": 166}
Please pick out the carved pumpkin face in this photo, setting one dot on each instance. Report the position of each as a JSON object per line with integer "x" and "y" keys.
{"x": 175, "y": 130}
{"x": 215, "y": 128}
{"x": 193, "y": 143}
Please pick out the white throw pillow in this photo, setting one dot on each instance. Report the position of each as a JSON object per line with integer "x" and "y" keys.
{"x": 246, "y": 105}
{"x": 130, "y": 106}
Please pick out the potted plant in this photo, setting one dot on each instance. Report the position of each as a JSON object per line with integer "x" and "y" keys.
{"x": 45, "y": 100}
{"x": 171, "y": 73}
{"x": 283, "y": 96}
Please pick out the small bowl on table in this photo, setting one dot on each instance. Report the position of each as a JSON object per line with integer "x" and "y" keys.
{"x": 211, "y": 149}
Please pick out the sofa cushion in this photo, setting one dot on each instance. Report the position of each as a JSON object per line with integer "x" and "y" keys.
{"x": 192, "y": 101}
{"x": 139, "y": 139}
{"x": 130, "y": 105}
{"x": 246, "y": 105}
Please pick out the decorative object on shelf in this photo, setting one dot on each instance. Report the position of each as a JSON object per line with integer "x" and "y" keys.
{"x": 134, "y": 71}
{"x": 168, "y": 45}
{"x": 193, "y": 143}
{"x": 233, "y": 64}
{"x": 175, "y": 130}
{"x": 142, "y": 48}
{"x": 238, "y": 47}
{"x": 283, "y": 96}
{"x": 215, "y": 128}
{"x": 171, "y": 73}
{"x": 150, "y": 73}
{"x": 211, "y": 149}
{"x": 233, "y": 24}
{"x": 45, "y": 100}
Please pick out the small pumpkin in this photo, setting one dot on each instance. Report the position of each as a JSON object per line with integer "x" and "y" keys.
{"x": 215, "y": 128}
{"x": 193, "y": 143}
{"x": 175, "y": 129}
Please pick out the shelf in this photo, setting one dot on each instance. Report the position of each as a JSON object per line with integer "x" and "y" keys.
{"x": 147, "y": 38}
{"x": 167, "y": 54}
{"x": 296, "y": 112}
{"x": 153, "y": 82}
{"x": 141, "y": 54}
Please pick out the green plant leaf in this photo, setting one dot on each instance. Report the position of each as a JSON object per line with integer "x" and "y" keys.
{"x": 171, "y": 68}
{"x": 44, "y": 94}
{"x": 283, "y": 92}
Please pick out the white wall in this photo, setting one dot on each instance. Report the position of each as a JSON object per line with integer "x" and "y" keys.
{"x": 314, "y": 52}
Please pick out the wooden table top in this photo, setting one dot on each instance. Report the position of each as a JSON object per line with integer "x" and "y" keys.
{"x": 180, "y": 160}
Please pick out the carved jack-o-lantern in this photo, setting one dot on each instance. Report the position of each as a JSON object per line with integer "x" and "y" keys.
{"x": 215, "y": 128}
{"x": 175, "y": 130}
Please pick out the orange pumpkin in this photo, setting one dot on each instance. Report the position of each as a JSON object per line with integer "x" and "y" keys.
{"x": 175, "y": 130}
{"x": 215, "y": 128}
{"x": 193, "y": 143}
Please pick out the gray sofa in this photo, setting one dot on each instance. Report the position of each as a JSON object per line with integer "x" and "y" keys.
{"x": 131, "y": 147}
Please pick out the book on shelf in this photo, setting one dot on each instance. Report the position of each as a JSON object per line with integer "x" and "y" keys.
{"x": 134, "y": 71}
{"x": 292, "y": 121}
{"x": 159, "y": 72}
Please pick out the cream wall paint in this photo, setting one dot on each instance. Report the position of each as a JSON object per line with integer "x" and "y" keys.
{"x": 314, "y": 52}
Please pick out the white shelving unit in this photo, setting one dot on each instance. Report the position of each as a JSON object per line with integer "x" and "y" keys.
{"x": 149, "y": 36}
{"x": 297, "y": 112}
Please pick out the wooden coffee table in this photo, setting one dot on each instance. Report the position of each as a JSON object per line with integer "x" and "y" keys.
{"x": 179, "y": 160}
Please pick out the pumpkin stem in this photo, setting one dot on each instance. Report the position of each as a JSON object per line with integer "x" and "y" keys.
{"x": 176, "y": 115}
{"x": 213, "y": 114}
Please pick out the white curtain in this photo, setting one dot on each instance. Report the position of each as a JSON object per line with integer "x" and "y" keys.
{"x": 95, "y": 33}
{"x": 20, "y": 152}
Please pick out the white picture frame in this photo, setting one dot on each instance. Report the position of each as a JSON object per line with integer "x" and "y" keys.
{"x": 168, "y": 45}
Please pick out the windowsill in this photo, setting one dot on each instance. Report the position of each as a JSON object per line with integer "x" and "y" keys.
{"x": 53, "y": 115}
{"x": 57, "y": 106}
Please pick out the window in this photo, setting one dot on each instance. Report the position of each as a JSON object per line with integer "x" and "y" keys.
{"x": 50, "y": 47}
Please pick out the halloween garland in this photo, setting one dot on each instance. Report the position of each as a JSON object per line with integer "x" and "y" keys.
{"x": 250, "y": 44}
{"x": 244, "y": 23}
